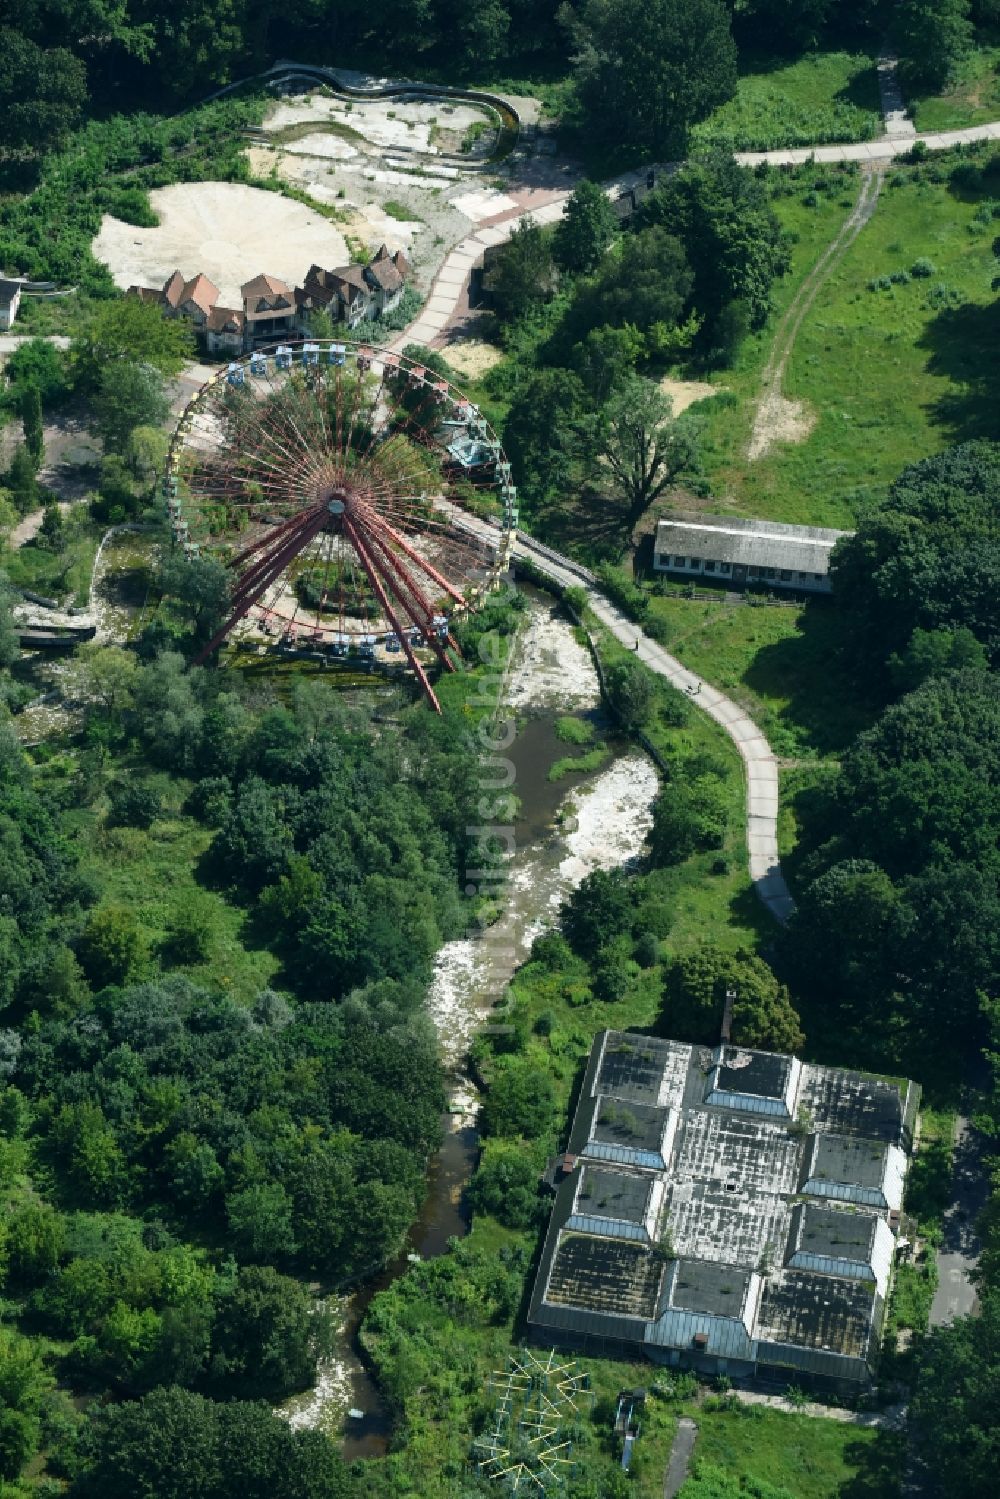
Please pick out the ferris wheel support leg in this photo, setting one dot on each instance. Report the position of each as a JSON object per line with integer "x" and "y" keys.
{"x": 421, "y": 562}
{"x": 367, "y": 562}
{"x": 266, "y": 541}
{"x": 427, "y": 622}
{"x": 249, "y": 591}
{"x": 287, "y": 547}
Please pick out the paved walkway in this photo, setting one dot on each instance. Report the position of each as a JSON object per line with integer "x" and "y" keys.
{"x": 11, "y": 342}
{"x": 680, "y": 1456}
{"x": 898, "y": 124}
{"x": 448, "y": 292}
{"x": 759, "y": 764}
{"x": 958, "y": 1253}
{"x": 893, "y": 1418}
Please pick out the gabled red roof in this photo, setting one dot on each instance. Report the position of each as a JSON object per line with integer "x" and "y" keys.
{"x": 172, "y": 289}
{"x": 225, "y": 320}
{"x": 266, "y": 288}
{"x": 201, "y": 292}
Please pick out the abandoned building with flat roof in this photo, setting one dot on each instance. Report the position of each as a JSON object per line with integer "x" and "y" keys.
{"x": 727, "y": 1210}
{"x": 736, "y": 551}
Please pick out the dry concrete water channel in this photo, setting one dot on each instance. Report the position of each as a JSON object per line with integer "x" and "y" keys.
{"x": 564, "y": 829}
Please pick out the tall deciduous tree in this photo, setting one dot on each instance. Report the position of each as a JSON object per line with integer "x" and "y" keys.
{"x": 586, "y": 228}
{"x": 954, "y": 1411}
{"x": 722, "y": 215}
{"x": 643, "y": 447}
{"x": 31, "y": 421}
{"x": 42, "y": 94}
{"x": 522, "y": 275}
{"x": 128, "y": 396}
{"x": 933, "y": 38}
{"x": 697, "y": 983}
{"x": 134, "y": 331}
{"x": 201, "y": 586}
{"x": 541, "y": 434}
{"x": 647, "y": 70}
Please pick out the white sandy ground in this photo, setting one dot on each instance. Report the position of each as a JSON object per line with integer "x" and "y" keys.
{"x": 228, "y": 231}
{"x": 685, "y": 393}
{"x": 483, "y": 203}
{"x": 552, "y": 669}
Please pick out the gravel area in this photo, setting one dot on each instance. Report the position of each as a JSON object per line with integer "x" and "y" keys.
{"x": 552, "y": 670}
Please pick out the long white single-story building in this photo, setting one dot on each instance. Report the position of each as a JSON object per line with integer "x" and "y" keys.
{"x": 738, "y": 551}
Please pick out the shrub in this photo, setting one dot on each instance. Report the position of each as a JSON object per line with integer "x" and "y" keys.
{"x": 506, "y": 1186}
{"x": 613, "y": 970}
{"x": 520, "y": 1101}
{"x": 647, "y": 949}
{"x": 552, "y": 951}
{"x": 622, "y": 591}
{"x": 923, "y": 268}
{"x": 134, "y": 804}
{"x": 188, "y": 938}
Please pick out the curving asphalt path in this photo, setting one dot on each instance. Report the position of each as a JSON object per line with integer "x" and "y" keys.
{"x": 448, "y": 290}
{"x": 759, "y": 764}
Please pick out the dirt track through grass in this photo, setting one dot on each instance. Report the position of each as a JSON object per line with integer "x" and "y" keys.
{"x": 778, "y": 420}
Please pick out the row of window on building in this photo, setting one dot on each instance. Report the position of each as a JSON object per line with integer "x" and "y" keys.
{"x": 724, "y": 570}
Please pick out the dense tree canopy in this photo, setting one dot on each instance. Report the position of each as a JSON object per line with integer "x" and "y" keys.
{"x": 933, "y": 38}
{"x": 175, "y": 1445}
{"x": 647, "y": 70}
{"x": 42, "y": 93}
{"x": 954, "y": 1410}
{"x": 925, "y": 557}
{"x": 722, "y": 216}
{"x": 586, "y": 228}
{"x": 695, "y": 990}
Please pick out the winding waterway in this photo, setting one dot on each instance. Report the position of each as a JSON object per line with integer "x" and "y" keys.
{"x": 564, "y": 829}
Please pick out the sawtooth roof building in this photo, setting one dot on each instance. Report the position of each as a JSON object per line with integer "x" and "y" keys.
{"x": 738, "y": 551}
{"x": 726, "y": 1210}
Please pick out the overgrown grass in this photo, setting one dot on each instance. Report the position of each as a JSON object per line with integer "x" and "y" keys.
{"x": 778, "y": 662}
{"x": 974, "y": 97}
{"x": 579, "y": 764}
{"x": 155, "y": 873}
{"x": 889, "y": 375}
{"x": 815, "y": 99}
{"x": 63, "y": 575}
{"x": 814, "y": 1459}
{"x": 928, "y": 1194}
{"x": 709, "y": 897}
{"x": 572, "y": 730}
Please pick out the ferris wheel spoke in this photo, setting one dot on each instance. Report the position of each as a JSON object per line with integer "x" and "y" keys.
{"x": 402, "y": 581}
{"x": 381, "y": 594}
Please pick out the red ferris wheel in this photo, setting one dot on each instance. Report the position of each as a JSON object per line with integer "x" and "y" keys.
{"x": 335, "y": 481}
